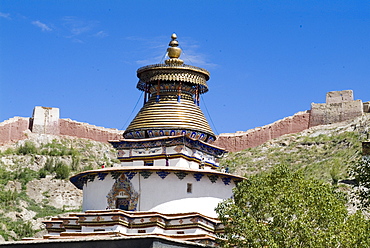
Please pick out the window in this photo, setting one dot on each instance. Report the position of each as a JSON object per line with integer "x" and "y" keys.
{"x": 149, "y": 163}
{"x": 189, "y": 188}
{"x": 122, "y": 203}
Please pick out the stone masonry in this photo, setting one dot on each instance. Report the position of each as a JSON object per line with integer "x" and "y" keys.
{"x": 254, "y": 137}
{"x": 339, "y": 106}
{"x": 46, "y": 120}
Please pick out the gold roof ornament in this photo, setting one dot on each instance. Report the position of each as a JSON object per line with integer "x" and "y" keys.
{"x": 171, "y": 101}
{"x": 174, "y": 52}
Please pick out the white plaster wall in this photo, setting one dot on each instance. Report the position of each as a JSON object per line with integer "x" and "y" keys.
{"x": 167, "y": 195}
{"x": 138, "y": 163}
{"x": 161, "y": 162}
{"x": 95, "y": 193}
{"x": 203, "y": 205}
{"x": 183, "y": 163}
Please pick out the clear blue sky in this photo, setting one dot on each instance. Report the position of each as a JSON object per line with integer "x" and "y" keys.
{"x": 268, "y": 59}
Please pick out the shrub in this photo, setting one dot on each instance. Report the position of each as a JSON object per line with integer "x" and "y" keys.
{"x": 42, "y": 173}
{"x": 75, "y": 162}
{"x": 49, "y": 165}
{"x": 27, "y": 148}
{"x": 62, "y": 171}
{"x": 8, "y": 151}
{"x": 21, "y": 228}
{"x": 25, "y": 175}
{"x": 8, "y": 197}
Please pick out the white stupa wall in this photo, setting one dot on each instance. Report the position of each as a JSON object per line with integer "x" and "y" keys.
{"x": 168, "y": 151}
{"x": 168, "y": 195}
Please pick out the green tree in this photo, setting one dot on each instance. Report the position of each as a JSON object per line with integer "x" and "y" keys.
{"x": 282, "y": 209}
{"x": 361, "y": 172}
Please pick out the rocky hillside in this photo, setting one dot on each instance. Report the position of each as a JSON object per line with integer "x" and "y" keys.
{"x": 324, "y": 152}
{"x": 34, "y": 172}
{"x": 34, "y": 180}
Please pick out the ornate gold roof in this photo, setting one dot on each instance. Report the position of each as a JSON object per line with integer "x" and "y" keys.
{"x": 171, "y": 99}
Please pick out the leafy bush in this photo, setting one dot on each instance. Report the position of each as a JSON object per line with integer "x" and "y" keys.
{"x": 27, "y": 148}
{"x": 49, "y": 165}
{"x": 56, "y": 148}
{"x": 76, "y": 160}
{"x": 42, "y": 173}
{"x": 9, "y": 151}
{"x": 361, "y": 171}
{"x": 22, "y": 228}
{"x": 7, "y": 198}
{"x": 62, "y": 170}
{"x": 88, "y": 167}
{"x": 25, "y": 175}
{"x": 282, "y": 209}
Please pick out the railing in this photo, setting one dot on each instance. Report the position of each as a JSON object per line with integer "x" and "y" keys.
{"x": 174, "y": 66}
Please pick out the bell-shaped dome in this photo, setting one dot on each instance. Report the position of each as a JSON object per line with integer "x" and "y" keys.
{"x": 171, "y": 105}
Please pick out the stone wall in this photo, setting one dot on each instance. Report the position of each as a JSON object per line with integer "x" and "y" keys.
{"x": 339, "y": 107}
{"x": 45, "y": 120}
{"x": 339, "y": 96}
{"x": 84, "y": 130}
{"x": 257, "y": 136}
{"x": 14, "y": 129}
{"x": 366, "y": 107}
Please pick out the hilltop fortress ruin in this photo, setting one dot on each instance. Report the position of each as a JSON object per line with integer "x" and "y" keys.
{"x": 340, "y": 106}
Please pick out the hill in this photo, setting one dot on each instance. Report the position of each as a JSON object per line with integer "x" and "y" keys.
{"x": 34, "y": 183}
{"x": 34, "y": 172}
{"x": 323, "y": 152}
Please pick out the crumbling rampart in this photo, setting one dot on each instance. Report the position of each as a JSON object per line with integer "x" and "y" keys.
{"x": 84, "y": 130}
{"x": 257, "y": 136}
{"x": 339, "y": 106}
{"x": 46, "y": 121}
{"x": 14, "y": 129}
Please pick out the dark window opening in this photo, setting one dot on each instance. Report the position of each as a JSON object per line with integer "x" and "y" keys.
{"x": 149, "y": 163}
{"x": 189, "y": 188}
{"x": 122, "y": 203}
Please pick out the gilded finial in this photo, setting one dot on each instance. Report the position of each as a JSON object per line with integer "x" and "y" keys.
{"x": 174, "y": 51}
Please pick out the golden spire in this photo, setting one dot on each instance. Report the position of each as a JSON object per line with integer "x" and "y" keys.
{"x": 171, "y": 100}
{"x": 174, "y": 52}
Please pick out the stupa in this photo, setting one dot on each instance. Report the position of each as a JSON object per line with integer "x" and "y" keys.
{"x": 167, "y": 184}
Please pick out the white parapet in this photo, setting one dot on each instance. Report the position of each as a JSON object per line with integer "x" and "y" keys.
{"x": 45, "y": 120}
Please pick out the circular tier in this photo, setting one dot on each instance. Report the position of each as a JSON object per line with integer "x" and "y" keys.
{"x": 169, "y": 117}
